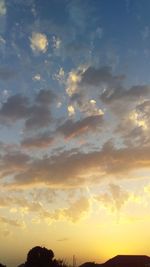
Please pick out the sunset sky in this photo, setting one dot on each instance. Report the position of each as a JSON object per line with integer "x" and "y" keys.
{"x": 74, "y": 128}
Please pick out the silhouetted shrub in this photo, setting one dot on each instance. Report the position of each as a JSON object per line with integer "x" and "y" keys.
{"x": 40, "y": 257}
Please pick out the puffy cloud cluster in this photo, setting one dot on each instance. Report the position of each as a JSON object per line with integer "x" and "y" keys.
{"x": 39, "y": 42}
{"x": 127, "y": 107}
{"x": 37, "y": 204}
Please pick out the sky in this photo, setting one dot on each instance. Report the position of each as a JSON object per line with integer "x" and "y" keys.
{"x": 74, "y": 128}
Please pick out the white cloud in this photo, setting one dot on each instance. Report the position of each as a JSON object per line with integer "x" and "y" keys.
{"x": 3, "y": 9}
{"x": 39, "y": 42}
{"x": 60, "y": 76}
{"x": 56, "y": 42}
{"x": 138, "y": 120}
{"x": 71, "y": 110}
{"x": 37, "y": 77}
{"x": 73, "y": 80}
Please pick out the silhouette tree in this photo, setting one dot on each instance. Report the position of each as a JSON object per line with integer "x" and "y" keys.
{"x": 40, "y": 257}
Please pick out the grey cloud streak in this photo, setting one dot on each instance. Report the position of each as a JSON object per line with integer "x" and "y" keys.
{"x": 13, "y": 162}
{"x": 74, "y": 169}
{"x": 134, "y": 93}
{"x": 38, "y": 142}
{"x": 72, "y": 129}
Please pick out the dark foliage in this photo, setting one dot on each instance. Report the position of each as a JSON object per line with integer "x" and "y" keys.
{"x": 42, "y": 257}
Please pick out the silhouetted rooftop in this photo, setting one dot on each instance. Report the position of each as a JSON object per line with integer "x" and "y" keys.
{"x": 122, "y": 261}
{"x": 128, "y": 260}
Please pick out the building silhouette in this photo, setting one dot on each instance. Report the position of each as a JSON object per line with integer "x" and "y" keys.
{"x": 122, "y": 261}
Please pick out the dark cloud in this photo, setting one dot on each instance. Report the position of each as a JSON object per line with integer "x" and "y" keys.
{"x": 77, "y": 97}
{"x": 73, "y": 129}
{"x": 40, "y": 141}
{"x": 95, "y": 77}
{"x": 36, "y": 114}
{"x": 13, "y": 162}
{"x": 15, "y": 108}
{"x": 45, "y": 97}
{"x": 134, "y": 128}
{"x": 134, "y": 93}
{"x": 74, "y": 169}
{"x": 39, "y": 117}
{"x": 110, "y": 88}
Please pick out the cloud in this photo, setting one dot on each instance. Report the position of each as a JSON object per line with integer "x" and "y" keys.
{"x": 18, "y": 204}
{"x": 71, "y": 110}
{"x": 15, "y": 108}
{"x": 74, "y": 169}
{"x": 108, "y": 89}
{"x": 3, "y": 9}
{"x": 39, "y": 42}
{"x": 38, "y": 141}
{"x": 35, "y": 114}
{"x": 103, "y": 75}
{"x": 13, "y": 162}
{"x": 56, "y": 42}
{"x": 11, "y": 222}
{"x": 134, "y": 128}
{"x": 60, "y": 76}
{"x": 45, "y": 97}
{"x": 132, "y": 94}
{"x": 88, "y": 106}
{"x": 77, "y": 210}
{"x": 29, "y": 206}
{"x": 73, "y": 79}
{"x": 72, "y": 129}
{"x": 39, "y": 117}
{"x": 115, "y": 199}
